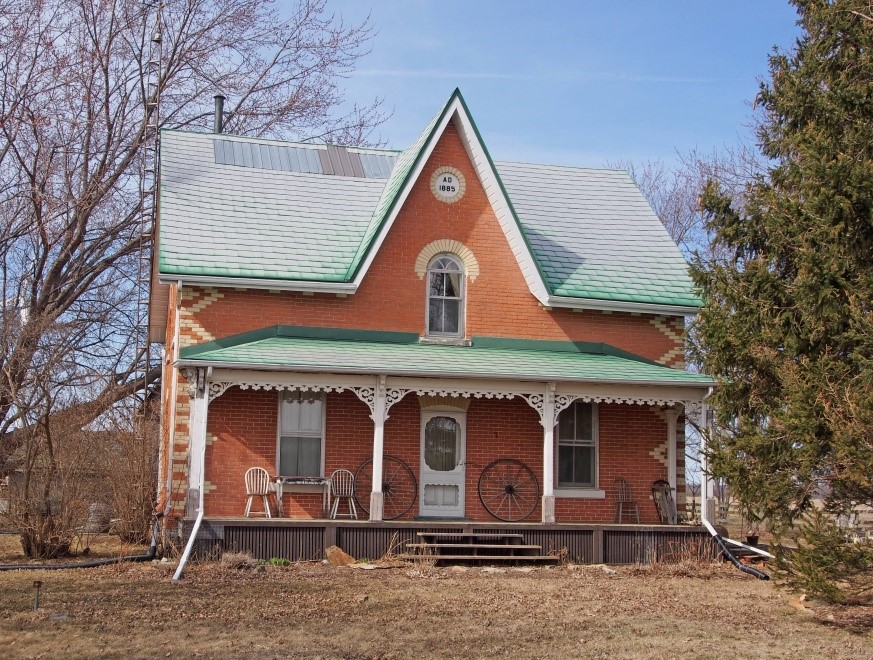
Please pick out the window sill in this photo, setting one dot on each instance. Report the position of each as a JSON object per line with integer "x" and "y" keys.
{"x": 580, "y": 493}
{"x": 445, "y": 341}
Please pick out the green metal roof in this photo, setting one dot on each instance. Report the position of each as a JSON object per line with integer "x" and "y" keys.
{"x": 591, "y": 233}
{"x": 353, "y": 351}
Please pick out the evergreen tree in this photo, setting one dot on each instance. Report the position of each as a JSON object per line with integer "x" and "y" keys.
{"x": 787, "y": 322}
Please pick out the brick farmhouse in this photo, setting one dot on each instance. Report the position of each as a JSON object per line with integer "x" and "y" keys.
{"x": 477, "y": 340}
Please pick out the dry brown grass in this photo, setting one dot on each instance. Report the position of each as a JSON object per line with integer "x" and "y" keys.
{"x": 315, "y": 611}
{"x": 85, "y": 548}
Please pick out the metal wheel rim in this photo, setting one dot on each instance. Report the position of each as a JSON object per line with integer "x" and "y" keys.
{"x": 399, "y": 487}
{"x": 508, "y": 489}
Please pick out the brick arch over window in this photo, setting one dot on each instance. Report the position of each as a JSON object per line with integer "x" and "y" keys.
{"x": 445, "y": 245}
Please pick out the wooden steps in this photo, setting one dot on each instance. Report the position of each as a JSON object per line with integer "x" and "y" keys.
{"x": 487, "y": 547}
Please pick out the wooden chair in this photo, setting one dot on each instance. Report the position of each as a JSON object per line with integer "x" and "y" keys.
{"x": 258, "y": 484}
{"x": 662, "y": 493}
{"x": 625, "y": 504}
{"x": 342, "y": 487}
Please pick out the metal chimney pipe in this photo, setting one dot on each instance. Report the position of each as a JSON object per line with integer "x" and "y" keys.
{"x": 219, "y": 113}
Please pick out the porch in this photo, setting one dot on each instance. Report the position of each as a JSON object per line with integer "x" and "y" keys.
{"x": 572, "y": 417}
{"x": 306, "y": 540}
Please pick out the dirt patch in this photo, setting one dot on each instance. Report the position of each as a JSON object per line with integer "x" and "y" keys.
{"x": 315, "y": 611}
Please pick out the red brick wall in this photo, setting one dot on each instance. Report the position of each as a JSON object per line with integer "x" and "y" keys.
{"x": 242, "y": 434}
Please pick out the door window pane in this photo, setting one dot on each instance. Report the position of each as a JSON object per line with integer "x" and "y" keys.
{"x": 441, "y": 495}
{"x": 441, "y": 444}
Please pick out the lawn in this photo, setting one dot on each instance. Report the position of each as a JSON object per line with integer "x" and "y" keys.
{"x": 315, "y": 611}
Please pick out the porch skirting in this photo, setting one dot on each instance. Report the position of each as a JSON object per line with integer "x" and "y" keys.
{"x": 297, "y": 540}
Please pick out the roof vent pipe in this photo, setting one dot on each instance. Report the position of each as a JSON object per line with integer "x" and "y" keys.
{"x": 219, "y": 113}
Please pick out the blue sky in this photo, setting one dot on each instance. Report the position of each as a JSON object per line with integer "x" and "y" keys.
{"x": 573, "y": 82}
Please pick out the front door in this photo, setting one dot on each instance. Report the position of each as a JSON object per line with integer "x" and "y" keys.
{"x": 442, "y": 464}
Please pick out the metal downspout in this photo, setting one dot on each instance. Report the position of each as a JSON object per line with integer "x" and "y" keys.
{"x": 202, "y": 390}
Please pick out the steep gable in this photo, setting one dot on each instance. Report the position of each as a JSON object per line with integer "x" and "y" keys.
{"x": 409, "y": 169}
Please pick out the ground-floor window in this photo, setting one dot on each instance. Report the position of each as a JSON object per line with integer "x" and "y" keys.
{"x": 577, "y": 446}
{"x": 301, "y": 435}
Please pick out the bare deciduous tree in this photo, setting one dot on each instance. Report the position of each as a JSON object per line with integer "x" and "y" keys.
{"x": 74, "y": 117}
{"x": 674, "y": 191}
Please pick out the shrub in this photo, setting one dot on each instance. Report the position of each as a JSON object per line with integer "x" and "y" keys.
{"x": 827, "y": 564}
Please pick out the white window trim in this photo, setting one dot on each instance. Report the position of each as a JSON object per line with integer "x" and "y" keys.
{"x": 462, "y": 308}
{"x": 300, "y": 488}
{"x": 578, "y": 492}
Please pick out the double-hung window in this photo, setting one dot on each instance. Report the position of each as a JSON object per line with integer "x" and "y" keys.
{"x": 577, "y": 446}
{"x": 301, "y": 435}
{"x": 445, "y": 297}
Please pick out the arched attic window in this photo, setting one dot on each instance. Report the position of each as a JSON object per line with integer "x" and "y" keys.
{"x": 445, "y": 296}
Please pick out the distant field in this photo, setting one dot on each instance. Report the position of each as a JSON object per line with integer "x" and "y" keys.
{"x": 417, "y": 611}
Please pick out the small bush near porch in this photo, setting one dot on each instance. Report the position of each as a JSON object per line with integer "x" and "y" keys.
{"x": 314, "y": 611}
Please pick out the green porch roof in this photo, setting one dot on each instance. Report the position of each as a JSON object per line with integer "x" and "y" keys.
{"x": 291, "y": 348}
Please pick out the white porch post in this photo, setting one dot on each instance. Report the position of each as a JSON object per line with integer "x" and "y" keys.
{"x": 672, "y": 415}
{"x": 380, "y": 410}
{"x": 705, "y": 482}
{"x": 548, "y": 422}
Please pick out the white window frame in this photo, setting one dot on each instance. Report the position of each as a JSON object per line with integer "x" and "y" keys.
{"x": 462, "y": 297}
{"x": 282, "y": 394}
{"x": 580, "y": 492}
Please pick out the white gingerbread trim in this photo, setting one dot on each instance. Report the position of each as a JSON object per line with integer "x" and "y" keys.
{"x": 397, "y": 387}
{"x": 216, "y": 389}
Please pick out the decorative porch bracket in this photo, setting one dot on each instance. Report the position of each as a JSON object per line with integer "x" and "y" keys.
{"x": 379, "y": 399}
{"x": 549, "y": 406}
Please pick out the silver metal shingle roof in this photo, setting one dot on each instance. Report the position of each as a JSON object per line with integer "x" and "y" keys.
{"x": 591, "y": 231}
{"x": 241, "y": 221}
{"x": 594, "y": 234}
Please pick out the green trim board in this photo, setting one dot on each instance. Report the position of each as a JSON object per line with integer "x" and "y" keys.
{"x": 289, "y": 348}
{"x": 557, "y": 346}
{"x": 300, "y": 332}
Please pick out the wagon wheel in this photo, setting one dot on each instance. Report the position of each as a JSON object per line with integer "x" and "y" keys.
{"x": 508, "y": 489}
{"x": 398, "y": 485}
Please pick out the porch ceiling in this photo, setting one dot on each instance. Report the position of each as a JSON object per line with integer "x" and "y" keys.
{"x": 400, "y": 354}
